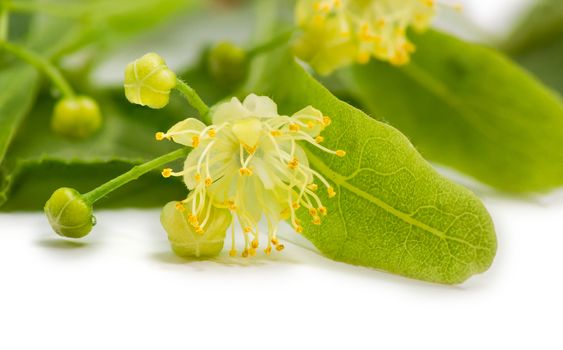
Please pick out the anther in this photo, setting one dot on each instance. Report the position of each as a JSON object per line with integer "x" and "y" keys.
{"x": 331, "y": 192}
{"x": 294, "y": 127}
{"x": 295, "y": 205}
{"x": 197, "y": 177}
{"x": 280, "y": 247}
{"x": 180, "y": 206}
{"x": 254, "y": 243}
{"x": 298, "y": 229}
{"x": 212, "y": 133}
{"x": 251, "y": 252}
{"x": 159, "y": 136}
{"x": 313, "y": 212}
{"x": 247, "y": 229}
{"x": 275, "y": 241}
{"x": 319, "y": 139}
{"x": 317, "y": 220}
{"x": 268, "y": 250}
{"x": 208, "y": 182}
{"x": 232, "y": 253}
{"x": 245, "y": 253}
{"x": 275, "y": 133}
{"x": 195, "y": 141}
{"x": 166, "y": 172}
{"x": 313, "y": 187}
{"x": 245, "y": 171}
{"x": 326, "y": 120}
{"x": 293, "y": 164}
{"x": 322, "y": 210}
{"x": 340, "y": 153}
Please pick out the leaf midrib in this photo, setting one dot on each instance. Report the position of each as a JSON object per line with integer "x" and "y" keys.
{"x": 341, "y": 181}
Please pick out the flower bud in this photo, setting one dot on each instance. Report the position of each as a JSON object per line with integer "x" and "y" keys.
{"x": 69, "y": 214}
{"x": 228, "y": 63}
{"x": 76, "y": 117}
{"x": 189, "y": 239}
{"x": 148, "y": 81}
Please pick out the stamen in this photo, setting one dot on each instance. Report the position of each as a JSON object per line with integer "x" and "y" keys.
{"x": 319, "y": 139}
{"x": 331, "y": 192}
{"x": 159, "y": 136}
{"x": 245, "y": 171}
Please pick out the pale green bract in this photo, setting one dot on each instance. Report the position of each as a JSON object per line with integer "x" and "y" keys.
{"x": 393, "y": 211}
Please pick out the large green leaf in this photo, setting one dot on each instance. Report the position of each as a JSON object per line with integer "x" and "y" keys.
{"x": 38, "y": 161}
{"x": 470, "y": 108}
{"x": 392, "y": 211}
{"x": 537, "y": 42}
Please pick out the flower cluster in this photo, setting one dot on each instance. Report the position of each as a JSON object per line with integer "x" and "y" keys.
{"x": 339, "y": 32}
{"x": 250, "y": 162}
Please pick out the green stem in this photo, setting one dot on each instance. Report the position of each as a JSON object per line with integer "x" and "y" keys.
{"x": 193, "y": 99}
{"x": 42, "y": 65}
{"x": 133, "y": 174}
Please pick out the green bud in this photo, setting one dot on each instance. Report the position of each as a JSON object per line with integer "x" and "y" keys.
{"x": 148, "y": 81}
{"x": 228, "y": 63}
{"x": 189, "y": 240}
{"x": 76, "y": 117}
{"x": 69, "y": 214}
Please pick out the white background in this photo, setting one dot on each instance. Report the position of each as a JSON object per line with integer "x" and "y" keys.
{"x": 122, "y": 288}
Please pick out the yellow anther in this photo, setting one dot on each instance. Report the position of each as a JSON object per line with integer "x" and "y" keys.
{"x": 293, "y": 164}
{"x": 255, "y": 243}
{"x": 268, "y": 250}
{"x": 319, "y": 139}
{"x": 192, "y": 219}
{"x": 180, "y": 206}
{"x": 317, "y": 220}
{"x": 166, "y": 172}
{"x": 331, "y": 192}
{"x": 326, "y": 120}
{"x": 197, "y": 177}
{"x": 212, "y": 133}
{"x": 245, "y": 253}
{"x": 280, "y": 247}
{"x": 245, "y": 172}
{"x": 199, "y": 230}
{"x": 232, "y": 253}
{"x": 313, "y": 187}
{"x": 299, "y": 229}
{"x": 208, "y": 182}
{"x": 310, "y": 125}
{"x": 251, "y": 252}
{"x": 295, "y": 205}
{"x": 247, "y": 229}
{"x": 159, "y": 136}
{"x": 195, "y": 141}
{"x": 340, "y": 153}
{"x": 231, "y": 205}
{"x": 363, "y": 57}
{"x": 323, "y": 210}
{"x": 275, "y": 133}
{"x": 313, "y": 212}
{"x": 275, "y": 241}
{"x": 294, "y": 127}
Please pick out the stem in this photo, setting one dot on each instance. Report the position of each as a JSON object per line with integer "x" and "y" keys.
{"x": 193, "y": 99}
{"x": 133, "y": 174}
{"x": 42, "y": 65}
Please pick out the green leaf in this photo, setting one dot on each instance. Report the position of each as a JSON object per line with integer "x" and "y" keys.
{"x": 18, "y": 84}
{"x": 392, "y": 210}
{"x": 537, "y": 42}
{"x": 39, "y": 161}
{"x": 470, "y": 108}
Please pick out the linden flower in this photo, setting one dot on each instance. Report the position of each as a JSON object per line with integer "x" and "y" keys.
{"x": 250, "y": 162}
{"x": 338, "y": 32}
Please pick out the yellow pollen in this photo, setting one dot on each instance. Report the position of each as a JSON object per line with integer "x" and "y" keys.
{"x": 316, "y": 220}
{"x": 180, "y": 206}
{"x": 166, "y": 172}
{"x": 319, "y": 139}
{"x": 322, "y": 210}
{"x": 326, "y": 120}
{"x": 159, "y": 136}
{"x": 331, "y": 192}
{"x": 245, "y": 172}
{"x": 294, "y": 127}
{"x": 313, "y": 187}
{"x": 275, "y": 133}
{"x": 340, "y": 153}
{"x": 232, "y": 253}
{"x": 280, "y": 247}
{"x": 212, "y": 133}
{"x": 293, "y": 164}
{"x": 195, "y": 141}
{"x": 255, "y": 243}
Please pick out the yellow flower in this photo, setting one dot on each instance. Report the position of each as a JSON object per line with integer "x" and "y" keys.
{"x": 250, "y": 162}
{"x": 148, "y": 81}
{"x": 338, "y": 32}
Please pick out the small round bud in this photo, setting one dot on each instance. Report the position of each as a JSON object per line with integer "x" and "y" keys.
{"x": 187, "y": 238}
{"x": 76, "y": 117}
{"x": 69, "y": 214}
{"x": 148, "y": 81}
{"x": 228, "y": 63}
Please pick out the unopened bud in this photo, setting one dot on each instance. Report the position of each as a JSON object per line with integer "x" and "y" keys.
{"x": 76, "y": 117}
{"x": 69, "y": 214}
